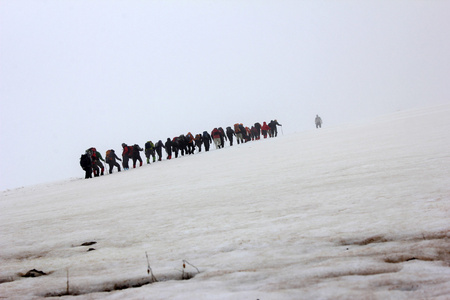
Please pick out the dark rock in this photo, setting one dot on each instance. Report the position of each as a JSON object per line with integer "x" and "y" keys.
{"x": 34, "y": 273}
{"x": 88, "y": 243}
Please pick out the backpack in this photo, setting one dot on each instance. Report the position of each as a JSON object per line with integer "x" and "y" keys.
{"x": 93, "y": 152}
{"x": 128, "y": 150}
{"x": 85, "y": 161}
{"x": 149, "y": 145}
{"x": 109, "y": 155}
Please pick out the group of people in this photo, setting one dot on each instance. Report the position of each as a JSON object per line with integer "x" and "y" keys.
{"x": 91, "y": 160}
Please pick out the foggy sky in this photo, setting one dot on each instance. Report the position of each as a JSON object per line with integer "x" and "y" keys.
{"x": 77, "y": 74}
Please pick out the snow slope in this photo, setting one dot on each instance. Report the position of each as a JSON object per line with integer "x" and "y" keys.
{"x": 357, "y": 211}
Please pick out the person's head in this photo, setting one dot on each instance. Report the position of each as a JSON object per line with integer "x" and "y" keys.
{"x": 124, "y": 145}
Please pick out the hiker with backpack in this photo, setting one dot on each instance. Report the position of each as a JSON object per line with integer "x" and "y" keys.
{"x": 273, "y": 132}
{"x": 241, "y": 134}
{"x": 216, "y": 137}
{"x": 86, "y": 165}
{"x": 223, "y": 137}
{"x": 254, "y": 133}
{"x": 150, "y": 151}
{"x": 248, "y": 135}
{"x": 126, "y": 155}
{"x": 158, "y": 147}
{"x": 175, "y": 146}
{"x": 111, "y": 160}
{"x": 264, "y": 129}
{"x": 207, "y": 140}
{"x": 230, "y": 133}
{"x": 183, "y": 144}
{"x": 190, "y": 143}
{"x": 135, "y": 155}
{"x": 168, "y": 146}
{"x": 96, "y": 158}
{"x": 198, "y": 142}
{"x": 258, "y": 130}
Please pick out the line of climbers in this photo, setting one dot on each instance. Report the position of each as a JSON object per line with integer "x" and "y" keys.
{"x": 91, "y": 160}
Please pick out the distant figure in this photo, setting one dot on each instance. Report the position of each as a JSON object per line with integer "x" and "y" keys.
{"x": 318, "y": 122}
{"x": 111, "y": 160}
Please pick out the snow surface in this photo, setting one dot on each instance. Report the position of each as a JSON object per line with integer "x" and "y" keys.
{"x": 359, "y": 211}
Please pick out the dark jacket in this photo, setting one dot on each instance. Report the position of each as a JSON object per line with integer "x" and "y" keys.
{"x": 168, "y": 145}
{"x": 206, "y": 137}
{"x": 136, "y": 149}
{"x": 230, "y": 132}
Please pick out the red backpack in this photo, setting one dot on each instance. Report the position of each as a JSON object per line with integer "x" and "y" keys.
{"x": 94, "y": 153}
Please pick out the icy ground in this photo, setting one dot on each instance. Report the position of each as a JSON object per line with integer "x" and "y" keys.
{"x": 360, "y": 211}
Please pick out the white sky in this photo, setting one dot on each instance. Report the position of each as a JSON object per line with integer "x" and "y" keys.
{"x": 76, "y": 74}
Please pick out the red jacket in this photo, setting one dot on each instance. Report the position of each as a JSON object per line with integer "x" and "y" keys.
{"x": 215, "y": 133}
{"x": 265, "y": 127}
{"x": 127, "y": 150}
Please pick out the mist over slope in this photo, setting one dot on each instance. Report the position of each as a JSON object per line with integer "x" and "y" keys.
{"x": 354, "y": 211}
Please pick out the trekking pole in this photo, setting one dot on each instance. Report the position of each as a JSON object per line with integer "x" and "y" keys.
{"x": 282, "y": 130}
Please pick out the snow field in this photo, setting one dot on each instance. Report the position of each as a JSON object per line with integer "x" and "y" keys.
{"x": 356, "y": 211}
